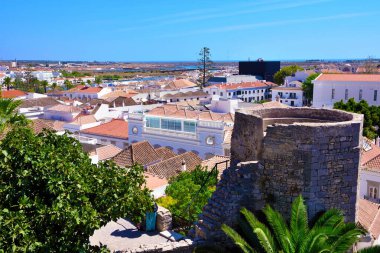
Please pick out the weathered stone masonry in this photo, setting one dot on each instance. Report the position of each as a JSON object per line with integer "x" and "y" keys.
{"x": 280, "y": 153}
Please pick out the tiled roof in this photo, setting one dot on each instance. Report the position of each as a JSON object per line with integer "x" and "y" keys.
{"x": 42, "y": 102}
{"x": 84, "y": 119}
{"x": 140, "y": 152}
{"x": 153, "y": 182}
{"x": 64, "y": 108}
{"x": 165, "y": 153}
{"x": 177, "y": 111}
{"x": 286, "y": 88}
{"x": 243, "y": 85}
{"x": 271, "y": 104}
{"x": 91, "y": 90}
{"x": 349, "y": 77}
{"x": 107, "y": 152}
{"x": 222, "y": 162}
{"x": 117, "y": 128}
{"x": 368, "y": 216}
{"x": 118, "y": 93}
{"x": 172, "y": 166}
{"x": 39, "y": 124}
{"x": 370, "y": 156}
{"x": 180, "y": 83}
{"x": 12, "y": 93}
{"x": 187, "y": 94}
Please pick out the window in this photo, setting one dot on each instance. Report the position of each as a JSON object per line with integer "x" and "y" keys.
{"x": 360, "y": 94}
{"x": 332, "y": 93}
{"x": 221, "y": 94}
{"x": 346, "y": 94}
{"x": 373, "y": 192}
{"x": 229, "y": 94}
{"x": 238, "y": 92}
{"x": 375, "y": 95}
{"x": 113, "y": 142}
{"x": 152, "y": 122}
{"x": 214, "y": 93}
{"x": 189, "y": 126}
{"x": 207, "y": 91}
{"x": 171, "y": 124}
{"x": 250, "y": 92}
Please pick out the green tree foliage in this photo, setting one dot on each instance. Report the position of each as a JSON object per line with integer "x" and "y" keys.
{"x": 111, "y": 77}
{"x": 204, "y": 66}
{"x": 68, "y": 84}
{"x": 280, "y": 75}
{"x": 52, "y": 197}
{"x": 371, "y": 115}
{"x": 9, "y": 116}
{"x": 98, "y": 80}
{"x": 74, "y": 74}
{"x": 44, "y": 84}
{"x": 189, "y": 192}
{"x": 308, "y": 86}
{"x": 7, "y": 82}
{"x": 330, "y": 233}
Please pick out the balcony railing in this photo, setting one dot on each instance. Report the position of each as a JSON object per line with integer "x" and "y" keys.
{"x": 372, "y": 199}
{"x": 177, "y": 134}
{"x": 211, "y": 124}
{"x": 136, "y": 116}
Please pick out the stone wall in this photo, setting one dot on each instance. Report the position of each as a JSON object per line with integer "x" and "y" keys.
{"x": 315, "y": 154}
{"x": 164, "y": 219}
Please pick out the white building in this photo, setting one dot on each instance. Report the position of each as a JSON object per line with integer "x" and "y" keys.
{"x": 43, "y": 75}
{"x": 61, "y": 112}
{"x": 181, "y": 129}
{"x": 299, "y": 76}
{"x": 332, "y": 88}
{"x": 370, "y": 172}
{"x": 247, "y": 92}
{"x": 84, "y": 92}
{"x": 292, "y": 96}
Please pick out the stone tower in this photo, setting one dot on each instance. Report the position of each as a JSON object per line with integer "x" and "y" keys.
{"x": 280, "y": 153}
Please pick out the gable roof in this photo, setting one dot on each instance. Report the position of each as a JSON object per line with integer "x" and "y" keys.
{"x": 107, "y": 152}
{"x": 117, "y": 128}
{"x": 42, "y": 102}
{"x": 349, "y": 77}
{"x": 180, "y": 83}
{"x": 165, "y": 153}
{"x": 64, "y": 108}
{"x": 140, "y": 152}
{"x": 368, "y": 216}
{"x": 12, "y": 93}
{"x": 84, "y": 119}
{"x": 172, "y": 166}
{"x": 370, "y": 156}
{"x": 38, "y": 125}
{"x": 153, "y": 182}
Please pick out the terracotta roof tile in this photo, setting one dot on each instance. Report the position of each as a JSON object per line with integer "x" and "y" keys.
{"x": 39, "y": 124}
{"x": 368, "y": 216}
{"x": 172, "y": 167}
{"x": 41, "y": 102}
{"x": 153, "y": 182}
{"x": 107, "y": 152}
{"x": 12, "y": 93}
{"x": 64, "y": 108}
{"x": 349, "y": 77}
{"x": 370, "y": 156}
{"x": 165, "y": 153}
{"x": 84, "y": 119}
{"x": 117, "y": 128}
{"x": 140, "y": 152}
{"x": 180, "y": 83}
{"x": 222, "y": 162}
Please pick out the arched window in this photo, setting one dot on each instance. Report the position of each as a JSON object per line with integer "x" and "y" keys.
{"x": 181, "y": 151}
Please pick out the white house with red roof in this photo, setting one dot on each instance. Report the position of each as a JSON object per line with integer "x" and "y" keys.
{"x": 61, "y": 112}
{"x": 182, "y": 129}
{"x": 245, "y": 91}
{"x": 332, "y": 88}
{"x": 370, "y": 171}
{"x": 84, "y": 92}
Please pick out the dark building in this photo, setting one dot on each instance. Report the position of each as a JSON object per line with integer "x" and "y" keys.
{"x": 265, "y": 69}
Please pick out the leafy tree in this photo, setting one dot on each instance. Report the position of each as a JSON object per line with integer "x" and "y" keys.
{"x": 88, "y": 82}
{"x": 52, "y": 197}
{"x": 98, "y": 80}
{"x": 54, "y": 86}
{"x": 7, "y": 82}
{"x": 308, "y": 86}
{"x": 189, "y": 192}
{"x": 8, "y": 114}
{"x": 280, "y": 75}
{"x": 204, "y": 66}
{"x": 44, "y": 84}
{"x": 371, "y": 115}
{"x": 328, "y": 234}
{"x": 68, "y": 84}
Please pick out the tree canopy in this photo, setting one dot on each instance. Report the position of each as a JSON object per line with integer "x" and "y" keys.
{"x": 204, "y": 66}
{"x": 52, "y": 198}
{"x": 371, "y": 115}
{"x": 280, "y": 75}
{"x": 308, "y": 86}
{"x": 189, "y": 192}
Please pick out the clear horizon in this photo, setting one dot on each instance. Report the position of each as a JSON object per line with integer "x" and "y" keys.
{"x": 173, "y": 31}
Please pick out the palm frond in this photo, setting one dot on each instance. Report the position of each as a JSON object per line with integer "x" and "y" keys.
{"x": 298, "y": 221}
{"x": 262, "y": 232}
{"x": 330, "y": 218}
{"x": 345, "y": 241}
{"x": 237, "y": 239}
{"x": 316, "y": 240}
{"x": 280, "y": 229}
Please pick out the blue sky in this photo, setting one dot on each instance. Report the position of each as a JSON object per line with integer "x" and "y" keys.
{"x": 175, "y": 30}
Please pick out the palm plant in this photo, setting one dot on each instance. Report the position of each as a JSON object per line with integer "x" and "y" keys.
{"x": 328, "y": 234}
{"x": 9, "y": 115}
{"x": 7, "y": 82}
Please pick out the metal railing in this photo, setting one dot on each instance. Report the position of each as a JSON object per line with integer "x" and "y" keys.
{"x": 159, "y": 131}
{"x": 374, "y": 200}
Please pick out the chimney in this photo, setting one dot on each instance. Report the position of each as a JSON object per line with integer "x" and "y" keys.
{"x": 183, "y": 166}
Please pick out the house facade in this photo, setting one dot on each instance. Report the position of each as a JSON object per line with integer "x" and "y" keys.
{"x": 332, "y": 88}
{"x": 292, "y": 96}
{"x": 247, "y": 92}
{"x": 181, "y": 129}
